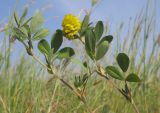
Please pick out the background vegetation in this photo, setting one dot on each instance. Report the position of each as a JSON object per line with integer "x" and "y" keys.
{"x": 25, "y": 87}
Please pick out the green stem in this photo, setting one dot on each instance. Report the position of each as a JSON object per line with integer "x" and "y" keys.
{"x": 37, "y": 59}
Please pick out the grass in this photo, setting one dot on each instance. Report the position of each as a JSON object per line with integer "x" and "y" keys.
{"x": 23, "y": 92}
{"x": 27, "y": 88}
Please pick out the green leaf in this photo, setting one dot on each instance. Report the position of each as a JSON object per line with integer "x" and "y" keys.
{"x": 66, "y": 52}
{"x": 102, "y": 48}
{"x": 57, "y": 40}
{"x": 123, "y": 61}
{"x": 16, "y": 18}
{"x": 78, "y": 62}
{"x": 36, "y": 22}
{"x": 23, "y": 15}
{"x": 44, "y": 47}
{"x": 51, "y": 57}
{"x": 85, "y": 64}
{"x": 19, "y": 34}
{"x": 84, "y": 25}
{"x": 114, "y": 72}
{"x": 27, "y": 21}
{"x": 108, "y": 38}
{"x": 28, "y": 30}
{"x": 42, "y": 33}
{"x": 99, "y": 30}
{"x": 24, "y": 30}
{"x": 133, "y": 78}
{"x": 90, "y": 43}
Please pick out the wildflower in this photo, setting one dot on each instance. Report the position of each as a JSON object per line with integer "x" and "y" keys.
{"x": 71, "y": 25}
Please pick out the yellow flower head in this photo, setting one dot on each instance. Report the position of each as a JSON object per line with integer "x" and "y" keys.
{"x": 71, "y": 25}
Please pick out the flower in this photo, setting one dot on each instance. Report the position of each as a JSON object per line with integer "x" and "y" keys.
{"x": 71, "y": 25}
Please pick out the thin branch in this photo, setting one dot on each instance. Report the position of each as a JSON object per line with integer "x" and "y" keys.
{"x": 39, "y": 61}
{"x": 134, "y": 106}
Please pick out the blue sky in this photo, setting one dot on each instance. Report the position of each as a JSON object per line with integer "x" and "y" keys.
{"x": 113, "y": 11}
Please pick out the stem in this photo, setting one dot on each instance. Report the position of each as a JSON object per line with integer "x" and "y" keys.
{"x": 109, "y": 80}
{"x": 63, "y": 81}
{"x": 37, "y": 59}
{"x": 81, "y": 97}
{"x": 82, "y": 41}
{"x": 115, "y": 86}
{"x": 33, "y": 55}
{"x": 134, "y": 106}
